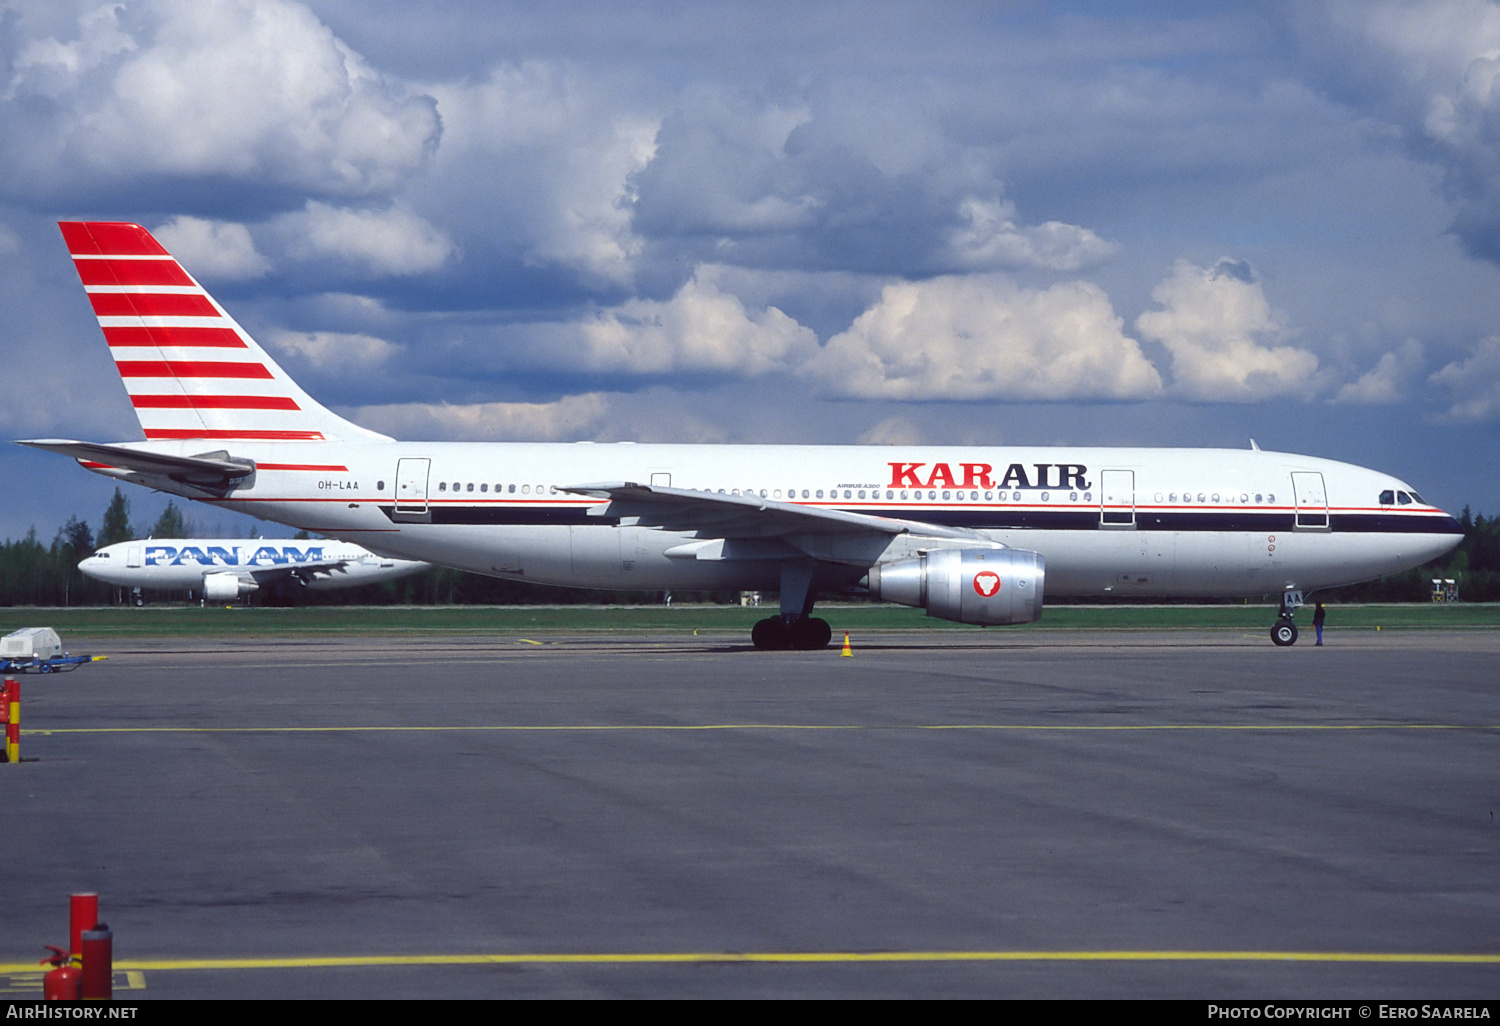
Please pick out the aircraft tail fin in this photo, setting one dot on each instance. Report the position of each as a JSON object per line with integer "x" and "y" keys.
{"x": 190, "y": 370}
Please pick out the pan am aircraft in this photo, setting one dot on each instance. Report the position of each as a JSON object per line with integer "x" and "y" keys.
{"x": 976, "y": 535}
{"x": 223, "y": 569}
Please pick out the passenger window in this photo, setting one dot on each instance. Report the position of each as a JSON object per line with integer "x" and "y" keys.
{"x": 442, "y": 486}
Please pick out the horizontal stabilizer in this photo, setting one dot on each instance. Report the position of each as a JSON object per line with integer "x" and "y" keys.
{"x": 216, "y": 472}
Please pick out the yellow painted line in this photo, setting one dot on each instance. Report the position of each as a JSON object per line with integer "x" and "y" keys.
{"x": 679, "y": 957}
{"x": 524, "y": 728}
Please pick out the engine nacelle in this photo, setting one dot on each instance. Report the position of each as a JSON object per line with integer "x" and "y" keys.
{"x": 225, "y": 587}
{"x": 983, "y": 586}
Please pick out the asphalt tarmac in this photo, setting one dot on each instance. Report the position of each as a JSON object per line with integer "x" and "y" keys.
{"x": 945, "y": 814}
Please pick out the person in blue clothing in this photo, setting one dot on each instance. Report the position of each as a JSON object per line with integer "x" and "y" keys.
{"x": 1318, "y": 617}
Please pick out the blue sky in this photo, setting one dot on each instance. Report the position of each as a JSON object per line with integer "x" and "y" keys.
{"x": 1145, "y": 224}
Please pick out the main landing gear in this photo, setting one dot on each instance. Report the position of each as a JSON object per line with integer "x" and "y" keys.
{"x": 1285, "y": 631}
{"x": 796, "y": 627}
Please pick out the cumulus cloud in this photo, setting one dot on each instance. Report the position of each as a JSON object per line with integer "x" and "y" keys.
{"x": 571, "y": 417}
{"x": 985, "y": 337}
{"x": 1388, "y": 380}
{"x": 700, "y": 329}
{"x": 261, "y": 92}
{"x": 1222, "y": 336}
{"x": 1433, "y": 68}
{"x": 392, "y": 241}
{"x": 1474, "y": 382}
{"x": 990, "y": 238}
{"x": 332, "y": 350}
{"x": 866, "y": 182}
{"x": 212, "y": 249}
{"x": 569, "y": 145}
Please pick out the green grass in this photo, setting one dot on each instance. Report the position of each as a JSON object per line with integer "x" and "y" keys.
{"x": 218, "y": 621}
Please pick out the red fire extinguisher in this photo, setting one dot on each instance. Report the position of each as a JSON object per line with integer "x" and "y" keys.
{"x": 62, "y": 983}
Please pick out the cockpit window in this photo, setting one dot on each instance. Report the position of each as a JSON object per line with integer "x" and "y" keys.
{"x": 1388, "y": 497}
{"x": 1418, "y": 499}
{"x": 1403, "y": 499}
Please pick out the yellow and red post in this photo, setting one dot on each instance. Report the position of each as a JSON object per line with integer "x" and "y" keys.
{"x": 10, "y": 711}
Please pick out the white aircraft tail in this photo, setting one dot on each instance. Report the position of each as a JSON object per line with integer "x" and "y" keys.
{"x": 190, "y": 370}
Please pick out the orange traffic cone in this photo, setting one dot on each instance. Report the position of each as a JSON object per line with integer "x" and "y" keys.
{"x": 847, "y": 650}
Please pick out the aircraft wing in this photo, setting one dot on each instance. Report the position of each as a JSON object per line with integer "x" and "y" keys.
{"x": 306, "y": 573}
{"x": 212, "y": 471}
{"x": 717, "y": 515}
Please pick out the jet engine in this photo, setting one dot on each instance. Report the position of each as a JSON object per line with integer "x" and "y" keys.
{"x": 225, "y": 587}
{"x": 983, "y": 586}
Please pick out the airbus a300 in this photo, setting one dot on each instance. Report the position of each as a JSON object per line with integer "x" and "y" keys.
{"x": 974, "y": 534}
{"x": 223, "y": 569}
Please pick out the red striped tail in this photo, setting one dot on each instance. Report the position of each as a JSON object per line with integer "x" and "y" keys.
{"x": 191, "y": 371}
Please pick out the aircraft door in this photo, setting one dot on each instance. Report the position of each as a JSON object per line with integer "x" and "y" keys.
{"x": 411, "y": 491}
{"x": 1311, "y": 499}
{"x": 1117, "y": 498}
{"x": 133, "y": 556}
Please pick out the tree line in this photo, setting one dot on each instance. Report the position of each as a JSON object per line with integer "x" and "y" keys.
{"x": 37, "y": 574}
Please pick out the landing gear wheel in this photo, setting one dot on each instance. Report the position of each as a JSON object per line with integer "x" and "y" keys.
{"x": 771, "y": 634}
{"x": 783, "y": 632}
{"x": 1284, "y": 633}
{"x": 810, "y": 633}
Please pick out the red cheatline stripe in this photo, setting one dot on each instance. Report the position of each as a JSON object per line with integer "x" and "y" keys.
{"x": 150, "y": 304}
{"x": 197, "y": 338}
{"x": 321, "y": 468}
{"x": 213, "y": 402}
{"x": 189, "y": 369}
{"x": 115, "y": 237}
{"x": 131, "y": 272}
{"x": 324, "y": 467}
{"x": 265, "y": 436}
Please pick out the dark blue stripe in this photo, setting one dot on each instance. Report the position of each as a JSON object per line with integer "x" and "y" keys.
{"x": 999, "y": 519}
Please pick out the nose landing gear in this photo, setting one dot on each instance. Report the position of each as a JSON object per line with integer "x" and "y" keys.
{"x": 1285, "y": 631}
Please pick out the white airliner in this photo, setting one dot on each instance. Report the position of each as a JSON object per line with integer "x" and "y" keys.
{"x": 220, "y": 569}
{"x": 974, "y": 534}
